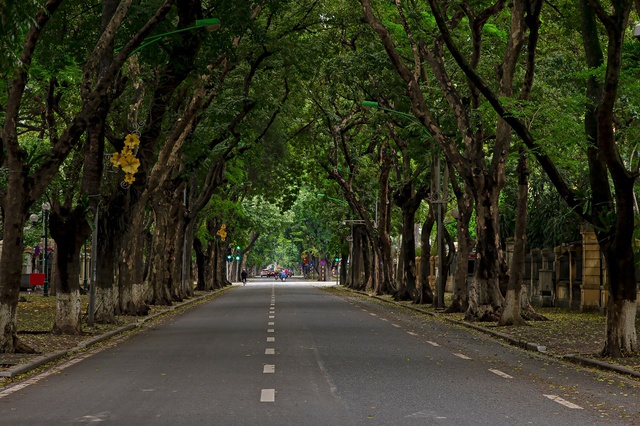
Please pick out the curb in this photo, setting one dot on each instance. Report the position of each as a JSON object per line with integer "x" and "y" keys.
{"x": 530, "y": 346}
{"x": 602, "y": 365}
{"x": 37, "y": 362}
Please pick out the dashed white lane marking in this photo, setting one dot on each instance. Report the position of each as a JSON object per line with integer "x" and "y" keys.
{"x": 269, "y": 368}
{"x": 384, "y": 319}
{"x": 461, "y": 356}
{"x": 432, "y": 343}
{"x": 500, "y": 373}
{"x": 271, "y": 316}
{"x": 271, "y": 339}
{"x": 270, "y": 351}
{"x": 564, "y": 402}
{"x": 271, "y": 330}
{"x": 268, "y": 395}
{"x": 395, "y": 325}
{"x": 271, "y": 323}
{"x": 372, "y": 314}
{"x": 412, "y": 333}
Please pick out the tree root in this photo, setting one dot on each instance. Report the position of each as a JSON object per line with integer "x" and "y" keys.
{"x": 529, "y": 314}
{"x": 483, "y": 313}
{"x": 456, "y": 307}
{"x": 22, "y": 348}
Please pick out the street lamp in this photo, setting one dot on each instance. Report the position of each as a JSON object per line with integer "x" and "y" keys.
{"x": 210, "y": 24}
{"x": 438, "y": 202}
{"x": 45, "y": 212}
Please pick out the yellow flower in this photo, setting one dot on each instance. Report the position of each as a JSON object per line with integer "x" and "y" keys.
{"x": 129, "y": 178}
{"x": 129, "y": 164}
{"x": 131, "y": 141}
{"x": 115, "y": 159}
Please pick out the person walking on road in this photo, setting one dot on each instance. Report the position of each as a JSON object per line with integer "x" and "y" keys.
{"x": 243, "y": 276}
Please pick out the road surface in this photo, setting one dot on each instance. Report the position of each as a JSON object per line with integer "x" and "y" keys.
{"x": 273, "y": 353}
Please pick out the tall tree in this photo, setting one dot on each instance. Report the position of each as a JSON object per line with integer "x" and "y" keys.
{"x": 29, "y": 183}
{"x": 609, "y": 210}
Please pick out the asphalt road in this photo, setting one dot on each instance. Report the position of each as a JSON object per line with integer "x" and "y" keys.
{"x": 273, "y": 353}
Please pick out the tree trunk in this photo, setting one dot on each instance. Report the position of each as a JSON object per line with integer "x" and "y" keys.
{"x": 200, "y": 264}
{"x": 460, "y": 302}
{"x": 130, "y": 280}
{"x": 381, "y": 240}
{"x": 188, "y": 247}
{"x": 401, "y": 290}
{"x": 11, "y": 266}
{"x": 409, "y": 207}
{"x": 426, "y": 292}
{"x": 485, "y": 298}
{"x": 104, "y": 257}
{"x": 344, "y": 260}
{"x": 621, "y": 337}
{"x": 163, "y": 255}
{"x": 210, "y": 270}
{"x": 511, "y": 314}
{"x": 69, "y": 232}
{"x": 220, "y": 279}
{"x": 358, "y": 281}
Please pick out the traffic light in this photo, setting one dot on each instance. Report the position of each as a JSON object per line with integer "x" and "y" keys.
{"x": 337, "y": 259}
{"x": 229, "y": 258}
{"x": 238, "y": 258}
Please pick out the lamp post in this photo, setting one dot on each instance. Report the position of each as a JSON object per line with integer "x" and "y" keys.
{"x": 45, "y": 212}
{"x": 210, "y": 24}
{"x": 439, "y": 302}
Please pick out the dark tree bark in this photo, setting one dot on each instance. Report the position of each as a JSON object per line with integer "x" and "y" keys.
{"x": 69, "y": 229}
{"x": 464, "y": 202}
{"x": 511, "y": 314}
{"x": 409, "y": 201}
{"x": 426, "y": 292}
{"x": 200, "y": 264}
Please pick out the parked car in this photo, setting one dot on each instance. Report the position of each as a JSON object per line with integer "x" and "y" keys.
{"x": 267, "y": 273}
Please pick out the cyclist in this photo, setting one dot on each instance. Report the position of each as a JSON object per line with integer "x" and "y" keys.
{"x": 243, "y": 275}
